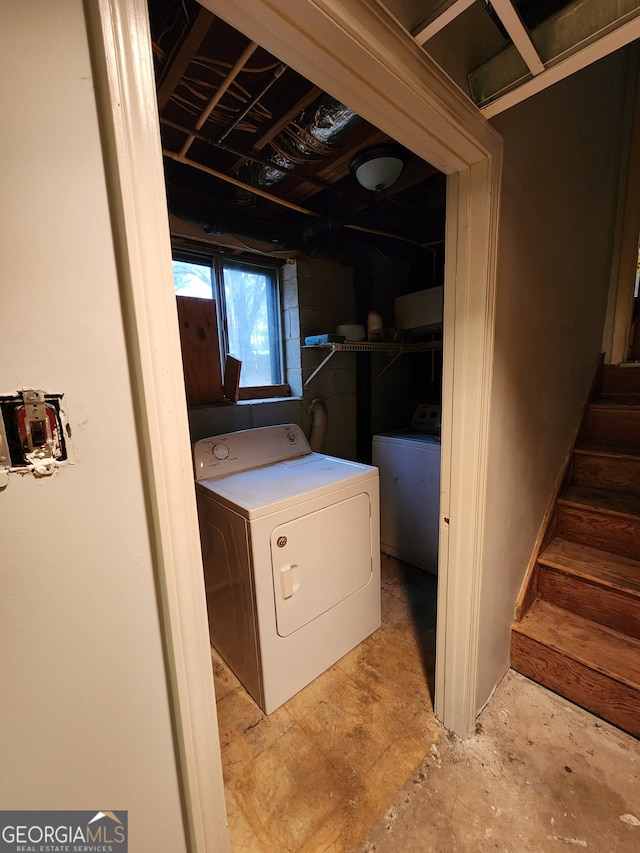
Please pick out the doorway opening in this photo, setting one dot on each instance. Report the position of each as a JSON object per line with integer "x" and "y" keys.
{"x": 310, "y": 215}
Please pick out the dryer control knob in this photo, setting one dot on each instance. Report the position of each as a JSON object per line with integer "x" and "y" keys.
{"x": 220, "y": 451}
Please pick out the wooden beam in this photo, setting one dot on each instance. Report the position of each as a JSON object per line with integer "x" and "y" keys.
{"x": 362, "y": 136}
{"x": 254, "y": 100}
{"x": 518, "y": 34}
{"x": 280, "y": 123}
{"x": 413, "y": 174}
{"x": 283, "y": 202}
{"x": 287, "y": 118}
{"x": 238, "y": 65}
{"x": 277, "y": 167}
{"x": 576, "y": 62}
{"x": 175, "y": 70}
{"x": 180, "y": 158}
{"x": 575, "y": 37}
{"x": 446, "y": 12}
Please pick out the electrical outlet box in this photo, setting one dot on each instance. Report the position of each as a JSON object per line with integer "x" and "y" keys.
{"x": 34, "y": 433}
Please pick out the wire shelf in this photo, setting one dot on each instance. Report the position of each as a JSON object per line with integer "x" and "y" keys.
{"x": 395, "y": 349}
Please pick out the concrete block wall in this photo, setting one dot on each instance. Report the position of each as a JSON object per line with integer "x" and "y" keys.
{"x": 325, "y": 300}
{"x": 206, "y": 419}
{"x": 291, "y": 327}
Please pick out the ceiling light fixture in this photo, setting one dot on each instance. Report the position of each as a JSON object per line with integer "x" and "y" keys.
{"x": 378, "y": 167}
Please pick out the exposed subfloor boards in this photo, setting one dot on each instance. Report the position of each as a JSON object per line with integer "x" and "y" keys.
{"x": 317, "y": 773}
{"x": 357, "y": 761}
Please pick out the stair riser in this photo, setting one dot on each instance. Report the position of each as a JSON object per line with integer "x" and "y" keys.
{"x": 606, "y": 472}
{"x": 600, "y": 694}
{"x": 618, "y": 534}
{"x": 621, "y": 425}
{"x": 613, "y": 608}
{"x": 616, "y": 380}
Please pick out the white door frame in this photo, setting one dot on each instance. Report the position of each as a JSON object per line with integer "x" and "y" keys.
{"x": 617, "y": 325}
{"x": 361, "y": 55}
{"x": 123, "y": 73}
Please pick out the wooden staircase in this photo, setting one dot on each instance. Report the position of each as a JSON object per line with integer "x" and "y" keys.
{"x": 577, "y": 628}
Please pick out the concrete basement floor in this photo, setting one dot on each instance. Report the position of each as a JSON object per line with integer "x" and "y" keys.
{"x": 539, "y": 775}
{"x": 357, "y": 761}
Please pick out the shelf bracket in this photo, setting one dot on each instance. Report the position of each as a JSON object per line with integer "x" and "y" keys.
{"x": 325, "y": 360}
{"x": 387, "y": 366}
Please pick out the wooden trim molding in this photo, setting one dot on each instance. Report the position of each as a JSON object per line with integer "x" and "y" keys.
{"x": 263, "y": 392}
{"x": 469, "y": 321}
{"x": 360, "y": 54}
{"x": 121, "y": 54}
{"x": 617, "y": 332}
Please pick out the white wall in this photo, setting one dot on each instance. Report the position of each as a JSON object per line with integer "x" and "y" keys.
{"x": 561, "y": 161}
{"x": 85, "y": 720}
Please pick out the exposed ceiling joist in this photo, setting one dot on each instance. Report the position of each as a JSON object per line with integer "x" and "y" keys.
{"x": 238, "y": 65}
{"x": 183, "y": 57}
{"x": 216, "y": 143}
{"x": 288, "y": 117}
{"x": 576, "y": 62}
{"x": 229, "y": 179}
{"x": 416, "y": 172}
{"x": 281, "y": 122}
{"x": 255, "y": 141}
{"x": 338, "y": 166}
{"x": 442, "y": 15}
{"x": 580, "y": 34}
{"x": 518, "y": 34}
{"x": 279, "y": 71}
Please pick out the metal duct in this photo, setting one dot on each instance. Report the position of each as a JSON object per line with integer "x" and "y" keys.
{"x": 219, "y": 218}
{"x": 304, "y": 141}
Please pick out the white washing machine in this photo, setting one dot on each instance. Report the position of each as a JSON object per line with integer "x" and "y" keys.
{"x": 409, "y": 465}
{"x": 291, "y": 552}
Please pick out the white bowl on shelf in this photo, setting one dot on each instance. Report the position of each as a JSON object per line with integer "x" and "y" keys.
{"x": 351, "y": 331}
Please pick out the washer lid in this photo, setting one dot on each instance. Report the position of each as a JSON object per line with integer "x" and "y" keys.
{"x": 407, "y": 437}
{"x": 273, "y": 487}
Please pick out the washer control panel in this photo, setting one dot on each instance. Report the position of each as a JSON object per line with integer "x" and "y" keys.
{"x": 234, "y": 452}
{"x": 427, "y": 418}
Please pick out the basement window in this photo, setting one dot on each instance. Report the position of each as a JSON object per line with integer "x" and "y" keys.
{"x": 247, "y": 296}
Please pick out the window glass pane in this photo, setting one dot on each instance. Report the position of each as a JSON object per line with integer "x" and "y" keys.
{"x": 249, "y": 296}
{"x": 192, "y": 279}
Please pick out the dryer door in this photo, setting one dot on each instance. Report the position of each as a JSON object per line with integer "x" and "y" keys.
{"x": 320, "y": 559}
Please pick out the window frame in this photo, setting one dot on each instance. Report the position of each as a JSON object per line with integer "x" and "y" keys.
{"x": 217, "y": 259}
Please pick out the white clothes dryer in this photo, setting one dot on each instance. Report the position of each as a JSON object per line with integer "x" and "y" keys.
{"x": 291, "y": 552}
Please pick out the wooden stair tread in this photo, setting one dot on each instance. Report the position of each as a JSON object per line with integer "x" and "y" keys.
{"x": 614, "y": 449}
{"x": 617, "y": 401}
{"x": 583, "y": 561}
{"x": 615, "y": 655}
{"x": 618, "y": 503}
{"x": 624, "y": 399}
